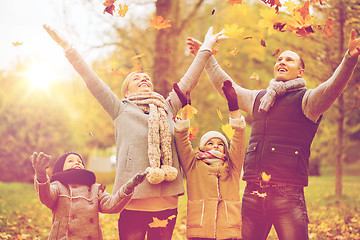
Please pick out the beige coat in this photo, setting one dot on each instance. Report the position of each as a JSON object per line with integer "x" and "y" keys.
{"x": 76, "y": 208}
{"x": 214, "y": 206}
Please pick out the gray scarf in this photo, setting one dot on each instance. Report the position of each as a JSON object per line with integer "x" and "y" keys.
{"x": 279, "y": 88}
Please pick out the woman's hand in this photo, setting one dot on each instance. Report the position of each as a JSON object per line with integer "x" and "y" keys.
{"x": 354, "y": 44}
{"x": 212, "y": 39}
{"x": 62, "y": 41}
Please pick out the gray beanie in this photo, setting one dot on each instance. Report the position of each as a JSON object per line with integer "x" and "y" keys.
{"x": 212, "y": 134}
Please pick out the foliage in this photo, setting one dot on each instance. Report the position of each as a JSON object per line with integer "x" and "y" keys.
{"x": 22, "y": 216}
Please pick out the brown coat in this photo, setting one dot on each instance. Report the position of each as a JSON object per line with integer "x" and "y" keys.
{"x": 214, "y": 206}
{"x": 76, "y": 208}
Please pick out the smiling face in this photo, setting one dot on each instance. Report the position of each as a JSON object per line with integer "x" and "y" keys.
{"x": 73, "y": 161}
{"x": 215, "y": 143}
{"x": 288, "y": 66}
{"x": 138, "y": 82}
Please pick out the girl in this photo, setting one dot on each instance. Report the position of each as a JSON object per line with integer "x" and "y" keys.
{"x": 74, "y": 197}
{"x": 212, "y": 175}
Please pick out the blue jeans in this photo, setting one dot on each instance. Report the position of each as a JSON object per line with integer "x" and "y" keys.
{"x": 134, "y": 225}
{"x": 283, "y": 206}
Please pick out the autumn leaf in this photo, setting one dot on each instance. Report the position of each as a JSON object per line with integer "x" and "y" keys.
{"x": 234, "y": 52}
{"x": 246, "y": 38}
{"x": 188, "y": 112}
{"x": 279, "y": 26}
{"x": 254, "y": 76}
{"x": 123, "y": 10}
{"x": 265, "y": 177}
{"x": 269, "y": 18}
{"x": 139, "y": 55}
{"x": 233, "y": 30}
{"x": 263, "y": 43}
{"x": 193, "y": 132}
{"x": 272, "y": 3}
{"x": 158, "y": 223}
{"x": 228, "y": 130}
{"x": 233, "y": 2}
{"x": 262, "y": 195}
{"x": 219, "y": 113}
{"x": 290, "y": 6}
{"x": 109, "y": 6}
{"x": 276, "y": 52}
{"x": 15, "y": 44}
{"x": 213, "y": 11}
{"x": 159, "y": 23}
{"x": 328, "y": 28}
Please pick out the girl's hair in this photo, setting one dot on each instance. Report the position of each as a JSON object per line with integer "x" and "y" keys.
{"x": 125, "y": 84}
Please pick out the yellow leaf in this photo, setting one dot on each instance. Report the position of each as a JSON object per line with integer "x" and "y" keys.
{"x": 233, "y": 30}
{"x": 290, "y": 6}
{"x": 228, "y": 130}
{"x": 219, "y": 113}
{"x": 139, "y": 55}
{"x": 159, "y": 23}
{"x": 263, "y": 195}
{"x": 123, "y": 10}
{"x": 158, "y": 223}
{"x": 188, "y": 112}
{"x": 234, "y": 52}
{"x": 254, "y": 76}
{"x": 15, "y": 44}
{"x": 265, "y": 177}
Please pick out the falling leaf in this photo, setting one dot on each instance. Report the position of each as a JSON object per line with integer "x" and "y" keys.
{"x": 263, "y": 43}
{"x": 139, "y": 55}
{"x": 279, "y": 26}
{"x": 193, "y": 132}
{"x": 123, "y": 10}
{"x": 265, "y": 177}
{"x": 276, "y": 52}
{"x": 272, "y": 3}
{"x": 262, "y": 195}
{"x": 91, "y": 134}
{"x": 15, "y": 44}
{"x": 213, "y": 11}
{"x": 269, "y": 18}
{"x": 246, "y": 38}
{"x": 233, "y": 2}
{"x": 254, "y": 76}
{"x": 328, "y": 28}
{"x": 109, "y": 6}
{"x": 233, "y": 30}
{"x": 234, "y": 52}
{"x": 219, "y": 113}
{"x": 188, "y": 111}
{"x": 158, "y": 223}
{"x": 159, "y": 23}
{"x": 290, "y": 6}
{"x": 228, "y": 130}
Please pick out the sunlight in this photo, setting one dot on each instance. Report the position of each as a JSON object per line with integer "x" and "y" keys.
{"x": 39, "y": 77}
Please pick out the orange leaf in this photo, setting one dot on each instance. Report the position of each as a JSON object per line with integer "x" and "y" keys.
{"x": 265, "y": 177}
{"x": 139, "y": 55}
{"x": 228, "y": 130}
{"x": 193, "y": 132}
{"x": 108, "y": 3}
{"x": 123, "y": 10}
{"x": 188, "y": 112}
{"x": 276, "y": 52}
{"x": 328, "y": 28}
{"x": 159, "y": 23}
{"x": 158, "y": 223}
{"x": 233, "y": 2}
{"x": 234, "y": 52}
{"x": 15, "y": 44}
{"x": 109, "y": 6}
{"x": 219, "y": 113}
{"x": 263, "y": 43}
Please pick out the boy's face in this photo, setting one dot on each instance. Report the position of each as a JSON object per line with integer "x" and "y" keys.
{"x": 215, "y": 143}
{"x": 73, "y": 161}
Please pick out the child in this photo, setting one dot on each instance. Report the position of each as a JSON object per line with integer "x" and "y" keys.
{"x": 212, "y": 175}
{"x": 74, "y": 197}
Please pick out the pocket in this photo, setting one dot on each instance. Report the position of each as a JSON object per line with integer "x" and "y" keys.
{"x": 250, "y": 156}
{"x": 195, "y": 213}
{"x": 233, "y": 213}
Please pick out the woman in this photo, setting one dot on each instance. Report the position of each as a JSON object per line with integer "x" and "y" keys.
{"x": 144, "y": 140}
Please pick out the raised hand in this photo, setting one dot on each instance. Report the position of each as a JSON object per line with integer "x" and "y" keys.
{"x": 212, "y": 39}
{"x": 134, "y": 181}
{"x": 58, "y": 38}
{"x": 354, "y": 44}
{"x": 230, "y": 95}
{"x": 184, "y": 98}
{"x": 40, "y": 162}
{"x": 194, "y": 45}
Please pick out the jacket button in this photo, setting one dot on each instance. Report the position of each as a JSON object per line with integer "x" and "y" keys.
{"x": 296, "y": 152}
{"x": 272, "y": 149}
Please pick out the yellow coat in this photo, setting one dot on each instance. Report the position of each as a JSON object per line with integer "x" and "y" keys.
{"x": 214, "y": 206}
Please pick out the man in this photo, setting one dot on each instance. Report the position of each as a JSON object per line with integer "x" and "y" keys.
{"x": 286, "y": 117}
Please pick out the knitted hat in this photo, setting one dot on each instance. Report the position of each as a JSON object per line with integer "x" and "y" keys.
{"x": 212, "y": 134}
{"x": 59, "y": 164}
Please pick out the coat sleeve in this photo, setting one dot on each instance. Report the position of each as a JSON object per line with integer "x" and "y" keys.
{"x": 218, "y": 76}
{"x": 108, "y": 100}
{"x": 185, "y": 151}
{"x": 48, "y": 193}
{"x": 188, "y": 81}
{"x": 317, "y": 101}
{"x": 109, "y": 203}
{"x": 237, "y": 145}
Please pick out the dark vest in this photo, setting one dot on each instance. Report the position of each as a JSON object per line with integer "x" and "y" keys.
{"x": 280, "y": 141}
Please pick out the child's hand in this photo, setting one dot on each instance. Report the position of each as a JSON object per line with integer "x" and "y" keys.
{"x": 40, "y": 162}
{"x": 194, "y": 45}
{"x": 184, "y": 98}
{"x": 134, "y": 181}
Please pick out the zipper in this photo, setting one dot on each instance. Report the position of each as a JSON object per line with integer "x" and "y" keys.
{"x": 263, "y": 145}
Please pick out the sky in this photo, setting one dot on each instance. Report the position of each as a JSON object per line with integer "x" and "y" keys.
{"x": 21, "y": 21}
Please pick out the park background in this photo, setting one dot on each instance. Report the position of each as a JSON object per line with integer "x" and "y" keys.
{"x": 45, "y": 106}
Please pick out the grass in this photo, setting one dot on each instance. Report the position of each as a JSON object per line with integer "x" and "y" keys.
{"x": 22, "y": 216}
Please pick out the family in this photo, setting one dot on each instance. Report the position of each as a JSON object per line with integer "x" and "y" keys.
{"x": 154, "y": 153}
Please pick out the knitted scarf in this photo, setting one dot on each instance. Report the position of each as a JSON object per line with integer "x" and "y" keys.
{"x": 74, "y": 176}
{"x": 279, "y": 88}
{"x": 159, "y": 136}
{"x": 211, "y": 157}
